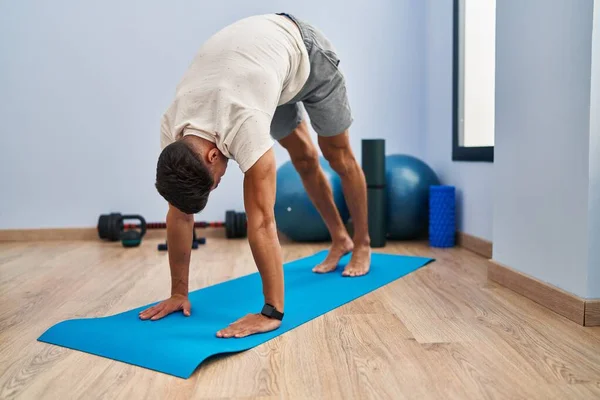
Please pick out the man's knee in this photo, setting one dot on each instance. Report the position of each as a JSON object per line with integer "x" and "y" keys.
{"x": 306, "y": 163}
{"x": 341, "y": 159}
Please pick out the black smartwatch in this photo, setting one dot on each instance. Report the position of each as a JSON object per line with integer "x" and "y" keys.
{"x": 271, "y": 312}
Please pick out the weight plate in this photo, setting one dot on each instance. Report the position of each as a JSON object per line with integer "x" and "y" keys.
{"x": 103, "y": 226}
{"x": 114, "y": 227}
{"x": 240, "y": 225}
{"x": 229, "y": 224}
{"x": 244, "y": 231}
{"x": 235, "y": 226}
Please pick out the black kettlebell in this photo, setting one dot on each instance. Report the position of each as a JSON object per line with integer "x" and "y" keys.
{"x": 132, "y": 237}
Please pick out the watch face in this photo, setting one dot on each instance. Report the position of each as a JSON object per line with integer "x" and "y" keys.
{"x": 268, "y": 309}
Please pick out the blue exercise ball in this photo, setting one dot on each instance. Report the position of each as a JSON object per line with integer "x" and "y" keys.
{"x": 295, "y": 214}
{"x": 408, "y": 181}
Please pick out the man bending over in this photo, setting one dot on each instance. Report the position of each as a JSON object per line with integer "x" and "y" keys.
{"x": 240, "y": 93}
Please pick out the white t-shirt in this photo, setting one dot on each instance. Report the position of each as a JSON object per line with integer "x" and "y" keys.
{"x": 232, "y": 87}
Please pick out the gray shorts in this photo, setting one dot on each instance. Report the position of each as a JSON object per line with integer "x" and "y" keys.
{"x": 323, "y": 95}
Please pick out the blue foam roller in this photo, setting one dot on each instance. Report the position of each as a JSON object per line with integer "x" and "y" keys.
{"x": 442, "y": 216}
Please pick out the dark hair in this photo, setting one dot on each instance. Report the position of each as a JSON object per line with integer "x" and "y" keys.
{"x": 182, "y": 178}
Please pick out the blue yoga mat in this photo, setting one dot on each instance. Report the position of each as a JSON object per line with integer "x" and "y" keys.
{"x": 177, "y": 345}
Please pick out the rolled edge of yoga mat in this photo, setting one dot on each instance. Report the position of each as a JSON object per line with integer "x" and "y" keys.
{"x": 373, "y": 164}
{"x": 442, "y": 216}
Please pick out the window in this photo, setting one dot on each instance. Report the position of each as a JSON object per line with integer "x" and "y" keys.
{"x": 474, "y": 80}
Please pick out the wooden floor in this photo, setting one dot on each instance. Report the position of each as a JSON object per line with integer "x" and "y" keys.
{"x": 442, "y": 332}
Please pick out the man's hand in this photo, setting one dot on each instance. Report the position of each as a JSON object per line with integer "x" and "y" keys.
{"x": 176, "y": 302}
{"x": 249, "y": 325}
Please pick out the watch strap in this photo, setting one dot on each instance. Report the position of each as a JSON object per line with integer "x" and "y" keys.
{"x": 271, "y": 312}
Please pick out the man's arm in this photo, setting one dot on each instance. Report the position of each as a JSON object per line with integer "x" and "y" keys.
{"x": 179, "y": 237}
{"x": 259, "y": 201}
{"x": 180, "y": 227}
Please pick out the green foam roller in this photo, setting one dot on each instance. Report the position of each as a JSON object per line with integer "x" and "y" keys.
{"x": 377, "y": 220}
{"x": 373, "y": 164}
{"x": 373, "y": 161}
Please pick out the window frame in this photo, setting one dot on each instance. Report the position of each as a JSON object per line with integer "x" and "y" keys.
{"x": 462, "y": 153}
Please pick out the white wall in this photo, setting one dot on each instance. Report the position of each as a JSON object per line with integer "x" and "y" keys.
{"x": 83, "y": 86}
{"x": 542, "y": 136}
{"x": 473, "y": 181}
{"x": 594, "y": 169}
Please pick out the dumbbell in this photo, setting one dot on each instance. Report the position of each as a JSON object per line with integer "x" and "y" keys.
{"x": 110, "y": 226}
{"x": 235, "y": 224}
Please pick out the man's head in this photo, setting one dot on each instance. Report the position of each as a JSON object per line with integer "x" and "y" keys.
{"x": 187, "y": 171}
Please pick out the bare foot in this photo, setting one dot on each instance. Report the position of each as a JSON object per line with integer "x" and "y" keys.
{"x": 360, "y": 262}
{"x": 337, "y": 251}
{"x": 249, "y": 325}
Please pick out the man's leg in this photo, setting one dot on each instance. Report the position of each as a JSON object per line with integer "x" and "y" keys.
{"x": 337, "y": 151}
{"x": 305, "y": 158}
